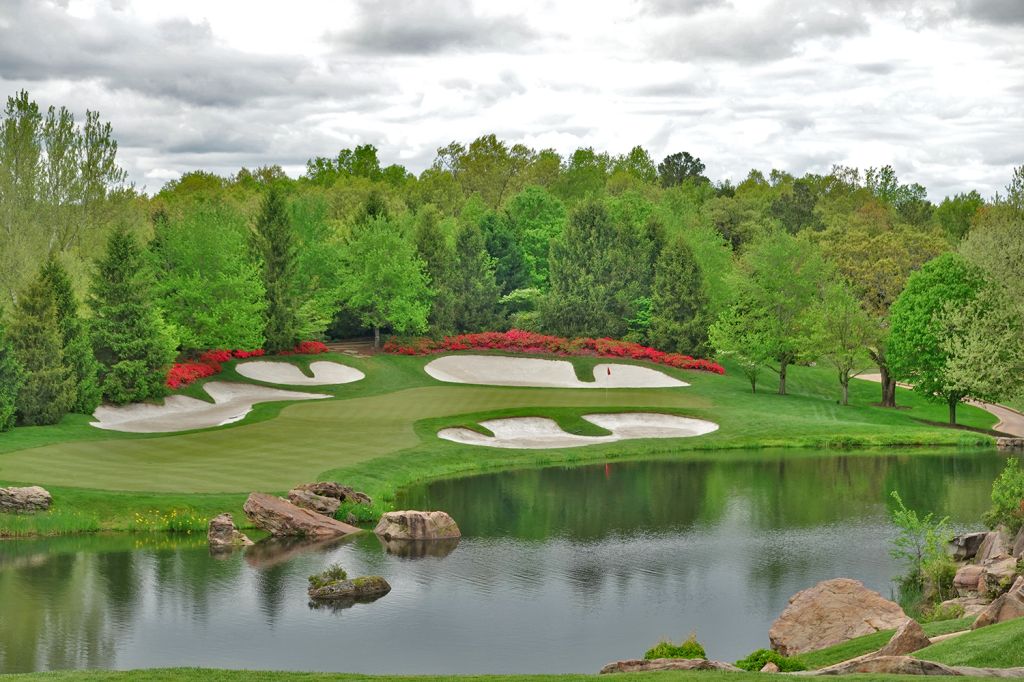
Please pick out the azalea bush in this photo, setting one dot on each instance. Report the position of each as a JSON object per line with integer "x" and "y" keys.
{"x": 519, "y": 341}
{"x": 210, "y": 362}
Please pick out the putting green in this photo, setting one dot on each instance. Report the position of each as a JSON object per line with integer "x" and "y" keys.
{"x": 396, "y": 412}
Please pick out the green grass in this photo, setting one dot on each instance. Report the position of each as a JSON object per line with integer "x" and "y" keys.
{"x": 873, "y": 642}
{"x": 208, "y": 675}
{"x": 995, "y": 646}
{"x": 380, "y": 434}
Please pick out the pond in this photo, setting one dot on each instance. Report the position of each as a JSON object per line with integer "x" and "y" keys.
{"x": 559, "y": 570}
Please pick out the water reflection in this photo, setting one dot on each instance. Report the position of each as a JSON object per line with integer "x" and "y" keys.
{"x": 559, "y": 570}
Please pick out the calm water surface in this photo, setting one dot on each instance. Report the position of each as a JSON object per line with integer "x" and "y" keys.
{"x": 560, "y": 570}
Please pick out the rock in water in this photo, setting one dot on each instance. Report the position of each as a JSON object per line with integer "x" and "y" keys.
{"x": 832, "y": 612}
{"x": 282, "y": 518}
{"x": 417, "y": 525}
{"x": 640, "y": 665}
{"x": 328, "y": 506}
{"x": 1006, "y": 607}
{"x": 24, "y": 500}
{"x": 222, "y": 533}
{"x": 909, "y": 638}
{"x": 371, "y": 586}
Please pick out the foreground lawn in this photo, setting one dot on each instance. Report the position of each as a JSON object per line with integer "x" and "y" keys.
{"x": 207, "y": 675}
{"x": 996, "y": 646}
{"x": 379, "y": 434}
{"x": 874, "y": 642}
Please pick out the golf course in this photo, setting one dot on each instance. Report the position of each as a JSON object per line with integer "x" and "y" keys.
{"x": 380, "y": 433}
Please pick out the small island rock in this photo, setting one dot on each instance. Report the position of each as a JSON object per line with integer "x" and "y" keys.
{"x": 417, "y": 525}
{"x": 25, "y": 500}
{"x": 832, "y": 612}
{"x": 640, "y": 665}
{"x": 355, "y": 589}
{"x": 222, "y": 533}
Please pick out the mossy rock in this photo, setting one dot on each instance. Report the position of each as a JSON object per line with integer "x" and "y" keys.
{"x": 371, "y": 586}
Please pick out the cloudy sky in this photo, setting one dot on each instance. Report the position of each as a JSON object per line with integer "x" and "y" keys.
{"x": 936, "y": 88}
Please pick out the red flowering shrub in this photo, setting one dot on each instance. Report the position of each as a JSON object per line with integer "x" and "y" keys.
{"x": 518, "y": 341}
{"x": 182, "y": 374}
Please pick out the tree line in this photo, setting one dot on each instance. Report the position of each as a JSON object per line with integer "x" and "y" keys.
{"x": 103, "y": 286}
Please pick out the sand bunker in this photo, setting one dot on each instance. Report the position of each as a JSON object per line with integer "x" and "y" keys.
{"x": 180, "y": 413}
{"x": 496, "y": 370}
{"x": 325, "y": 373}
{"x": 535, "y": 433}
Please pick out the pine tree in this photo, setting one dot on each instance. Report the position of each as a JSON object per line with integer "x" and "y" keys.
{"x": 12, "y": 377}
{"x": 511, "y": 267}
{"x": 130, "y": 339}
{"x": 77, "y": 346}
{"x": 678, "y": 302}
{"x": 439, "y": 256}
{"x": 277, "y": 248}
{"x": 476, "y": 291}
{"x": 48, "y": 390}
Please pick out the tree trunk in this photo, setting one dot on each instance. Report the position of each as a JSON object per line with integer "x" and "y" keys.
{"x": 888, "y": 387}
{"x": 376, "y": 337}
{"x": 952, "y": 411}
{"x": 845, "y": 382}
{"x": 782, "y": 377}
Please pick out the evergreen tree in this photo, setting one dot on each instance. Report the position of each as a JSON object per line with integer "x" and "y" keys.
{"x": 12, "y": 377}
{"x": 75, "y": 339}
{"x": 48, "y": 390}
{"x": 130, "y": 339}
{"x": 600, "y": 275}
{"x": 678, "y": 302}
{"x": 276, "y": 246}
{"x": 476, "y": 291}
{"x": 511, "y": 267}
{"x": 437, "y": 253}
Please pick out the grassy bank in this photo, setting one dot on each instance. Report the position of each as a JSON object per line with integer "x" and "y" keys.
{"x": 207, "y": 675}
{"x": 379, "y": 434}
{"x": 996, "y": 646}
{"x": 873, "y": 642}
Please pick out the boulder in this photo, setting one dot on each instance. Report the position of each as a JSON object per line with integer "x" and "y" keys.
{"x": 888, "y": 665}
{"x": 770, "y": 667}
{"x": 333, "y": 489}
{"x": 972, "y": 606}
{"x": 640, "y": 665}
{"x": 965, "y": 547}
{"x": 417, "y": 525}
{"x": 968, "y": 581}
{"x": 1005, "y": 607}
{"x": 223, "y": 534}
{"x": 328, "y": 506}
{"x": 358, "y": 589}
{"x": 996, "y": 544}
{"x": 282, "y": 518}
{"x": 832, "y": 612}
{"x": 24, "y": 500}
{"x": 1018, "y": 545}
{"x": 909, "y": 638}
{"x": 999, "y": 574}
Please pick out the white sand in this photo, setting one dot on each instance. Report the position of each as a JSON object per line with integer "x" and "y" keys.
{"x": 232, "y": 401}
{"x": 535, "y": 433}
{"x": 325, "y": 373}
{"x": 497, "y": 370}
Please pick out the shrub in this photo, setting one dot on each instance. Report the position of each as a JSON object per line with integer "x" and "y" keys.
{"x": 306, "y": 348}
{"x": 938, "y": 612}
{"x": 1008, "y": 498}
{"x": 333, "y": 574}
{"x": 758, "y": 659}
{"x": 921, "y": 542}
{"x": 691, "y": 648}
{"x": 938, "y": 576}
{"x": 519, "y": 341}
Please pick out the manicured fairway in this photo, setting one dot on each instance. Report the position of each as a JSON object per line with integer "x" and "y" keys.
{"x": 381, "y": 432}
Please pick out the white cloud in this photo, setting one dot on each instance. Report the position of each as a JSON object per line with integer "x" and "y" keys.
{"x": 931, "y": 87}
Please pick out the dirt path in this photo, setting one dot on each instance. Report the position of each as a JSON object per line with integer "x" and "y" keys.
{"x": 1011, "y": 422}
